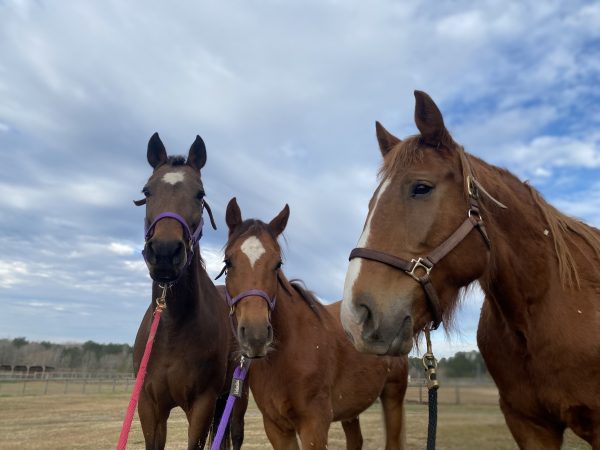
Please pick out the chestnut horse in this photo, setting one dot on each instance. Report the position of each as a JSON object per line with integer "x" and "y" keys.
{"x": 307, "y": 374}
{"x": 190, "y": 362}
{"x": 539, "y": 269}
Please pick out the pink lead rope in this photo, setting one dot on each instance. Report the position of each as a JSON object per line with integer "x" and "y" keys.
{"x": 139, "y": 380}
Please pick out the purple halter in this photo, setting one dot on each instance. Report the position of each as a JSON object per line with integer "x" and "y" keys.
{"x": 250, "y": 293}
{"x": 192, "y": 238}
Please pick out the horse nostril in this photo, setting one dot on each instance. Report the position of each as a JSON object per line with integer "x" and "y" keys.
{"x": 364, "y": 314}
{"x": 242, "y": 332}
{"x": 369, "y": 324}
{"x": 179, "y": 252}
{"x": 269, "y": 332}
{"x": 149, "y": 252}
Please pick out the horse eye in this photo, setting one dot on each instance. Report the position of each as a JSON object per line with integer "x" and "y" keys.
{"x": 227, "y": 262}
{"x": 200, "y": 195}
{"x": 146, "y": 191}
{"x": 420, "y": 189}
{"x": 278, "y": 266}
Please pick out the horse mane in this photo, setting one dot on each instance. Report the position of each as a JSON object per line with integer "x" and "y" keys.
{"x": 308, "y": 297}
{"x": 562, "y": 228}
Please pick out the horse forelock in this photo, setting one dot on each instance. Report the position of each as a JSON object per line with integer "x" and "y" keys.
{"x": 176, "y": 160}
{"x": 250, "y": 227}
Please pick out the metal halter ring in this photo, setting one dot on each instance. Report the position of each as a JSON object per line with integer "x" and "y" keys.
{"x": 418, "y": 263}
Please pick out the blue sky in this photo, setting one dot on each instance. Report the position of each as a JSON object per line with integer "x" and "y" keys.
{"x": 285, "y": 95}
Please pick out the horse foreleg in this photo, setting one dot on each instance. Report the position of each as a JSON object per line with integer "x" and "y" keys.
{"x": 313, "y": 431}
{"x": 154, "y": 422}
{"x": 354, "y": 439}
{"x": 531, "y": 435}
{"x": 280, "y": 439}
{"x": 392, "y": 401}
{"x": 199, "y": 419}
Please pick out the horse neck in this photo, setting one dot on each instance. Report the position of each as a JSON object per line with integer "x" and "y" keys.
{"x": 518, "y": 273}
{"x": 290, "y": 310}
{"x": 185, "y": 298}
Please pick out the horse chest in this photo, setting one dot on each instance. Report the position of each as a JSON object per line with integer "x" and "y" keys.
{"x": 540, "y": 371}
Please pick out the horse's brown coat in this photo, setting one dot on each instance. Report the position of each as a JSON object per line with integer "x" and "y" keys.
{"x": 311, "y": 375}
{"x": 538, "y": 330}
{"x": 189, "y": 362}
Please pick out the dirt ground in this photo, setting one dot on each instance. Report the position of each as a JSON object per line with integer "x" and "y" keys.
{"x": 93, "y": 421}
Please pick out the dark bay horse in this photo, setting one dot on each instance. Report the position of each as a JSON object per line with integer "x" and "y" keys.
{"x": 441, "y": 219}
{"x": 306, "y": 373}
{"x": 190, "y": 365}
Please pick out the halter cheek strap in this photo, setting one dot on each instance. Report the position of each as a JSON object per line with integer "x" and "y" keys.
{"x": 420, "y": 268}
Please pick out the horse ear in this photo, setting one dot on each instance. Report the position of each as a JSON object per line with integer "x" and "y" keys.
{"x": 386, "y": 140}
{"x": 429, "y": 120}
{"x": 280, "y": 221}
{"x": 197, "y": 155}
{"x": 157, "y": 154}
{"x": 233, "y": 216}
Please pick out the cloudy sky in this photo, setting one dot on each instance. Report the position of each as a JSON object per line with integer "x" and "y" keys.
{"x": 285, "y": 95}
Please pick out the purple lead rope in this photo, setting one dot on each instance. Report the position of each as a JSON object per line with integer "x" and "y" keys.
{"x": 237, "y": 390}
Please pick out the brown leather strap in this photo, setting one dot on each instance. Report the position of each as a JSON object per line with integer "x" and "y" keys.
{"x": 455, "y": 238}
{"x": 407, "y": 267}
{"x": 434, "y": 303}
{"x": 385, "y": 258}
{"x": 427, "y": 263}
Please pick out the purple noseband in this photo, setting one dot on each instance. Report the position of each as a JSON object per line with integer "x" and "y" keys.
{"x": 250, "y": 293}
{"x": 192, "y": 238}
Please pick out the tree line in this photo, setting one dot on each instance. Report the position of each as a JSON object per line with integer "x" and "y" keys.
{"x": 461, "y": 365}
{"x": 89, "y": 356}
{"x": 94, "y": 357}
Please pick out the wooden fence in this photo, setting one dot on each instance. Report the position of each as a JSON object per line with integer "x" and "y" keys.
{"x": 450, "y": 392}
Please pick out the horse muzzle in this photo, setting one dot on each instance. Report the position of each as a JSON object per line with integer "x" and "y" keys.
{"x": 372, "y": 331}
{"x": 165, "y": 259}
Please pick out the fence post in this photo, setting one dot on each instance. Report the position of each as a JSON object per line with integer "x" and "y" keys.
{"x": 457, "y": 394}
{"x": 46, "y": 386}
{"x": 24, "y": 386}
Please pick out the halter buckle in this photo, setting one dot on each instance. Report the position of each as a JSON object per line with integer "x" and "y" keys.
{"x": 419, "y": 263}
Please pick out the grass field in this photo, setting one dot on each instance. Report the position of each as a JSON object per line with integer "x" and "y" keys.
{"x": 93, "y": 421}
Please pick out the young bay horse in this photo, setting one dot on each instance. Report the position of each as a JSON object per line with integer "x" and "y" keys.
{"x": 305, "y": 372}
{"x": 190, "y": 364}
{"x": 446, "y": 218}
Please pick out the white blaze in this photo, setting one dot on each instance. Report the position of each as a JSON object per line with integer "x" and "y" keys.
{"x": 173, "y": 177}
{"x": 253, "y": 249}
{"x": 356, "y": 263}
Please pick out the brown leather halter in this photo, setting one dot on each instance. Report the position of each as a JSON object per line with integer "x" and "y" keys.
{"x": 425, "y": 264}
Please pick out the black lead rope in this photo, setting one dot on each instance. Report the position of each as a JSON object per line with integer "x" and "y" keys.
{"x": 430, "y": 364}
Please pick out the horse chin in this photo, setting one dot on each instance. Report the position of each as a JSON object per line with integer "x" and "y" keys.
{"x": 164, "y": 276}
{"x": 254, "y": 353}
{"x": 400, "y": 344}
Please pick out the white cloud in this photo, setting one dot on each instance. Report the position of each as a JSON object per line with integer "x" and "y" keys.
{"x": 120, "y": 248}
{"x": 285, "y": 96}
{"x": 12, "y": 273}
